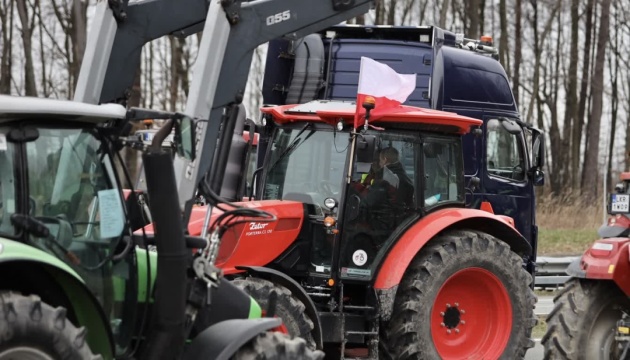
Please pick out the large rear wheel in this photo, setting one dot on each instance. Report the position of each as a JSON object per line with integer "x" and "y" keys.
{"x": 466, "y": 295}
{"x": 33, "y": 330}
{"x": 582, "y": 324}
{"x": 289, "y": 308}
{"x": 276, "y": 346}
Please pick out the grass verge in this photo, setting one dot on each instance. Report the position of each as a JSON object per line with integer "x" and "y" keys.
{"x": 539, "y": 330}
{"x": 565, "y": 242}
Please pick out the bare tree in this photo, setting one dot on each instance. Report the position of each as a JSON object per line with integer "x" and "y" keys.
{"x": 28, "y": 24}
{"x": 72, "y": 17}
{"x": 518, "y": 50}
{"x": 6, "y": 25}
{"x": 504, "y": 52}
{"x": 613, "y": 67}
{"x": 571, "y": 103}
{"x": 578, "y": 124}
{"x": 591, "y": 155}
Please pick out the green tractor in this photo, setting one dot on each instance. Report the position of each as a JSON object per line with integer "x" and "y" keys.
{"x": 75, "y": 284}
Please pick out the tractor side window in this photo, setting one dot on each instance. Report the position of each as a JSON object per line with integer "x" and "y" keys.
{"x": 73, "y": 191}
{"x": 504, "y": 153}
{"x": 7, "y": 186}
{"x": 443, "y": 171}
{"x": 380, "y": 198}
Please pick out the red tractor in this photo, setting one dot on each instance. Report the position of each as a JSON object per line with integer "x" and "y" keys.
{"x": 590, "y": 319}
{"x": 374, "y": 252}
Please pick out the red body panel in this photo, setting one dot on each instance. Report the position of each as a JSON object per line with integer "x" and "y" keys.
{"x": 418, "y": 235}
{"x": 611, "y": 264}
{"x": 403, "y": 114}
{"x": 252, "y": 243}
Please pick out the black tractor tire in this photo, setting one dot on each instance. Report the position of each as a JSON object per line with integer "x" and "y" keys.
{"x": 277, "y": 346}
{"x": 583, "y": 322}
{"x": 476, "y": 271}
{"x": 288, "y": 307}
{"x": 32, "y": 330}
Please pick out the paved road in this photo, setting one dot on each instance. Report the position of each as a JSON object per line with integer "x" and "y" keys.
{"x": 543, "y": 307}
{"x": 535, "y": 353}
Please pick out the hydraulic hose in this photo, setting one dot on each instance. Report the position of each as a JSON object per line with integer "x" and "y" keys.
{"x": 167, "y": 336}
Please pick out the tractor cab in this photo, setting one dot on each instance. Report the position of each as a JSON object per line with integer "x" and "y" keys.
{"x": 60, "y": 200}
{"x": 361, "y": 190}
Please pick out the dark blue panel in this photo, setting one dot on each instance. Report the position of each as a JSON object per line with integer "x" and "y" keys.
{"x": 403, "y": 57}
{"x": 475, "y": 81}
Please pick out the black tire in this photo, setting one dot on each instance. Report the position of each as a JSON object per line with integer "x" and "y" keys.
{"x": 31, "y": 329}
{"x": 582, "y": 324}
{"x": 288, "y": 307}
{"x": 276, "y": 346}
{"x": 411, "y": 334}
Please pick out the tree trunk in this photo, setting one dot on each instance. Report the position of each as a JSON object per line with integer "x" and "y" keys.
{"x": 614, "y": 97}
{"x": 589, "y": 177}
{"x": 518, "y": 53}
{"x": 30, "y": 88}
{"x": 559, "y": 157}
{"x": 571, "y": 104}
{"x": 176, "y": 70}
{"x": 379, "y": 10}
{"x": 391, "y": 14}
{"x": 578, "y": 124}
{"x": 78, "y": 36}
{"x": 504, "y": 51}
{"x": 472, "y": 12}
{"x": 6, "y": 12}
{"x": 443, "y": 14}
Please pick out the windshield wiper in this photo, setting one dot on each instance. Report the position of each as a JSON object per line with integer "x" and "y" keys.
{"x": 293, "y": 145}
{"x": 40, "y": 230}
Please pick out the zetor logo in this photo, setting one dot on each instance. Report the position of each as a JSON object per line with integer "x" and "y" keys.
{"x": 257, "y": 226}
{"x": 258, "y": 229}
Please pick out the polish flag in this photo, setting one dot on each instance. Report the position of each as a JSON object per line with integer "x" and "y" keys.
{"x": 389, "y": 88}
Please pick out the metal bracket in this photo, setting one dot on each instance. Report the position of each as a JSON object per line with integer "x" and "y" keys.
{"x": 342, "y": 4}
{"x": 232, "y": 10}
{"x": 119, "y": 8}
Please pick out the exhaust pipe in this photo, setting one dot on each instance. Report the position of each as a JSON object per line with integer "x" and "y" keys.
{"x": 167, "y": 336}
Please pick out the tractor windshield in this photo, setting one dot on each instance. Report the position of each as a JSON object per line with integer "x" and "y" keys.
{"x": 306, "y": 165}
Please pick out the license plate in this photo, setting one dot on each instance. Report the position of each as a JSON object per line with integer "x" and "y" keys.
{"x": 619, "y": 203}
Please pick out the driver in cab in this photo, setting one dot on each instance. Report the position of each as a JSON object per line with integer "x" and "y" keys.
{"x": 386, "y": 188}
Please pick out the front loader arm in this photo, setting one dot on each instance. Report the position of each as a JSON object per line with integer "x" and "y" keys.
{"x": 118, "y": 33}
{"x": 232, "y": 33}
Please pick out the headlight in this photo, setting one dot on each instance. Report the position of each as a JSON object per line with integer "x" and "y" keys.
{"x": 330, "y": 203}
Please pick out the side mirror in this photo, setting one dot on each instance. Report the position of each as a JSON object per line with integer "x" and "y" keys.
{"x": 366, "y": 145}
{"x": 538, "y": 150}
{"x": 185, "y": 137}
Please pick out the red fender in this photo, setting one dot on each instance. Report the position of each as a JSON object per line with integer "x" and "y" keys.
{"x": 412, "y": 241}
{"x": 608, "y": 259}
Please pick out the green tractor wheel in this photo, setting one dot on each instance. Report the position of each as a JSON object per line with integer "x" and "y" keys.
{"x": 33, "y": 330}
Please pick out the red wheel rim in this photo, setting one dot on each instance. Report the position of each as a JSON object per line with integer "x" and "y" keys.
{"x": 282, "y": 328}
{"x": 472, "y": 316}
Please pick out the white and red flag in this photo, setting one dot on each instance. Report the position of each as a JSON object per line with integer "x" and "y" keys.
{"x": 389, "y": 88}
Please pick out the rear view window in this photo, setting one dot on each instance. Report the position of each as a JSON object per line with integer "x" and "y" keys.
{"x": 474, "y": 85}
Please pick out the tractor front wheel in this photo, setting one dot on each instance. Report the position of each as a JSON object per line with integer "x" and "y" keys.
{"x": 583, "y": 323}
{"x": 277, "y": 346}
{"x": 33, "y": 330}
{"x": 465, "y": 295}
{"x": 289, "y": 308}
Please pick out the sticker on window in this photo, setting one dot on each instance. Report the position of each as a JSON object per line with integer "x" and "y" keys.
{"x": 111, "y": 213}
{"x": 359, "y": 257}
{"x": 3, "y": 142}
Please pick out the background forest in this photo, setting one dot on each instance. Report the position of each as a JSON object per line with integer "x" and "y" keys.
{"x": 566, "y": 60}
